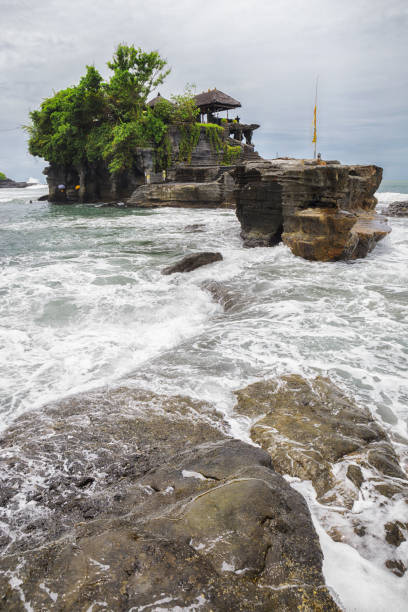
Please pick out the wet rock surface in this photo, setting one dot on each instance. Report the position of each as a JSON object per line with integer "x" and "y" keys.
{"x": 322, "y": 211}
{"x": 192, "y": 262}
{"x": 314, "y": 432}
{"x": 397, "y": 209}
{"x": 209, "y": 194}
{"x": 138, "y": 500}
{"x": 221, "y": 294}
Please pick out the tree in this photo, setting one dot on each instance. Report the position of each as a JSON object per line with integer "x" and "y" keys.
{"x": 59, "y": 130}
{"x": 135, "y": 74}
{"x": 185, "y": 109}
{"x": 102, "y": 120}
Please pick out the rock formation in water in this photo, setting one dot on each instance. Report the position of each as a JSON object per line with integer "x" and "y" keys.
{"x": 314, "y": 432}
{"x": 322, "y": 210}
{"x": 192, "y": 262}
{"x": 143, "y": 501}
{"x": 397, "y": 209}
{"x": 10, "y": 184}
{"x": 203, "y": 180}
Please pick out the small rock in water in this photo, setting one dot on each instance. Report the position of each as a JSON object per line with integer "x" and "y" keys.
{"x": 220, "y": 294}
{"x": 397, "y": 567}
{"x": 397, "y": 209}
{"x": 394, "y": 534}
{"x": 196, "y": 227}
{"x": 191, "y": 262}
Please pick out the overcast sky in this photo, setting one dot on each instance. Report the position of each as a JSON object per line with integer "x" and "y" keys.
{"x": 265, "y": 53}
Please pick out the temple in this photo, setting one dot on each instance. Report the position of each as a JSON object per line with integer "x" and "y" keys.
{"x": 152, "y": 103}
{"x": 214, "y": 101}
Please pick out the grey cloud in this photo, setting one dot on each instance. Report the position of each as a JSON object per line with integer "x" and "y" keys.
{"x": 265, "y": 53}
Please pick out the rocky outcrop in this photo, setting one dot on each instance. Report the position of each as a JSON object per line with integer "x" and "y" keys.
{"x": 192, "y": 262}
{"x": 141, "y": 501}
{"x": 10, "y": 184}
{"x": 397, "y": 209}
{"x": 226, "y": 298}
{"x": 322, "y": 210}
{"x": 194, "y": 187}
{"x": 203, "y": 172}
{"x": 314, "y": 432}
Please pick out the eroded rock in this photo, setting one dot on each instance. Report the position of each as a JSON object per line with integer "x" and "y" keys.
{"x": 192, "y": 262}
{"x": 314, "y": 432}
{"x": 221, "y": 294}
{"x": 322, "y": 211}
{"x": 140, "y": 500}
{"x": 211, "y": 194}
{"x": 397, "y": 209}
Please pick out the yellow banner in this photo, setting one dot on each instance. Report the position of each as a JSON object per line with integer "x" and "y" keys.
{"x": 314, "y": 124}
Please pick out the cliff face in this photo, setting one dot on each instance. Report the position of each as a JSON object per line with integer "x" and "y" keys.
{"x": 322, "y": 211}
{"x": 95, "y": 182}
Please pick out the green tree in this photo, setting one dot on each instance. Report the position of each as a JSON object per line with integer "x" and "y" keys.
{"x": 102, "y": 120}
{"x": 185, "y": 109}
{"x": 3, "y": 177}
{"x": 135, "y": 74}
{"x": 59, "y": 130}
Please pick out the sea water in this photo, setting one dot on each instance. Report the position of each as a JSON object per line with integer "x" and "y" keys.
{"x": 83, "y": 304}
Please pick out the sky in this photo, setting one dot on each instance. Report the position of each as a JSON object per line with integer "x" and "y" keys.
{"x": 265, "y": 53}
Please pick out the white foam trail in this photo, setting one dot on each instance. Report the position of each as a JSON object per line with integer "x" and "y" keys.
{"x": 360, "y": 584}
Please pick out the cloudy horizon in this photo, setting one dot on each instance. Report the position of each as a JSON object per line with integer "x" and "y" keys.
{"x": 265, "y": 54}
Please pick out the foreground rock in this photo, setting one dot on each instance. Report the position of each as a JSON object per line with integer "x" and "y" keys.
{"x": 314, "y": 432}
{"x": 137, "y": 500}
{"x": 322, "y": 211}
{"x": 397, "y": 209}
{"x": 192, "y": 262}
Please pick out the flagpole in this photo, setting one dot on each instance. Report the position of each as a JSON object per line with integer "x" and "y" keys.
{"x": 315, "y": 122}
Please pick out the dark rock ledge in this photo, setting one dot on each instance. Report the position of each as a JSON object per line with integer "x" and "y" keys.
{"x": 141, "y": 500}
{"x": 192, "y": 262}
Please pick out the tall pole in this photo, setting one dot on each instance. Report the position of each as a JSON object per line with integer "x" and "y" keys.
{"x": 315, "y": 122}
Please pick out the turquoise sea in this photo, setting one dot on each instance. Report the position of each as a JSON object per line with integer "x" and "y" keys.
{"x": 394, "y": 186}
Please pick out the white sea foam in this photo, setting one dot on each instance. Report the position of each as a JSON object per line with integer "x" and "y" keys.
{"x": 361, "y": 585}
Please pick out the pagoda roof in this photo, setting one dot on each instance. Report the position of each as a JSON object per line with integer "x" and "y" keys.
{"x": 215, "y": 100}
{"x": 152, "y": 103}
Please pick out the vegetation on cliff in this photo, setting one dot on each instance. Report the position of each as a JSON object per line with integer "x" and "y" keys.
{"x": 106, "y": 120}
{"x": 3, "y": 177}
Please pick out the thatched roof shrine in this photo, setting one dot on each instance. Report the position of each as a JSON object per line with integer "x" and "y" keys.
{"x": 214, "y": 100}
{"x": 152, "y": 103}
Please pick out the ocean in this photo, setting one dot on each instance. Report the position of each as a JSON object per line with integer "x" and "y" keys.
{"x": 84, "y": 304}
